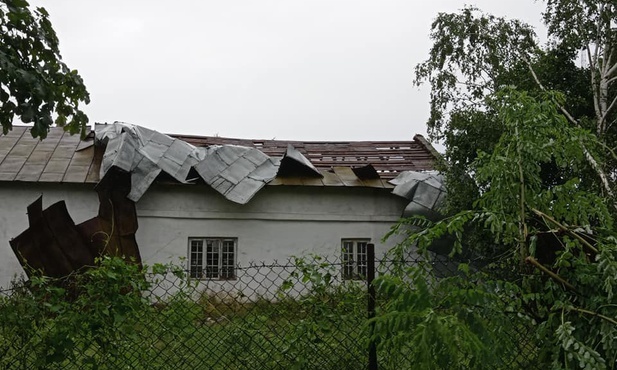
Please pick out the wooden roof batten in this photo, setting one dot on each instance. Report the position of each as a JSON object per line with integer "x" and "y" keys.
{"x": 389, "y": 158}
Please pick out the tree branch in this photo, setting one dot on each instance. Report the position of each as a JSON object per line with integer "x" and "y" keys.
{"x": 565, "y": 229}
{"x": 612, "y": 79}
{"x": 611, "y": 106}
{"x": 541, "y": 86}
{"x": 592, "y": 313}
{"x": 588, "y": 156}
{"x": 522, "y": 225}
{"x": 594, "y": 83}
{"x": 551, "y": 274}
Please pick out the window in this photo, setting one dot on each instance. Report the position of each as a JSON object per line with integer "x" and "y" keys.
{"x": 354, "y": 254}
{"x": 212, "y": 258}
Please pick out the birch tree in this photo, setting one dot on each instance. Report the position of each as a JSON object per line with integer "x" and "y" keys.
{"x": 590, "y": 26}
{"x": 474, "y": 54}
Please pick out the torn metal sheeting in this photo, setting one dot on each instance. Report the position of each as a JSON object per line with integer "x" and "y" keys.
{"x": 234, "y": 171}
{"x": 389, "y": 158}
{"x": 367, "y": 172}
{"x": 238, "y": 173}
{"x": 347, "y": 175}
{"x": 142, "y": 176}
{"x": 230, "y": 153}
{"x": 425, "y": 190}
{"x": 35, "y": 211}
{"x": 55, "y": 246}
{"x": 52, "y": 243}
{"x": 294, "y": 163}
{"x": 332, "y": 179}
{"x": 244, "y": 191}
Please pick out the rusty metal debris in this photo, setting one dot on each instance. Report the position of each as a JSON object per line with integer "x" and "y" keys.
{"x": 54, "y": 246}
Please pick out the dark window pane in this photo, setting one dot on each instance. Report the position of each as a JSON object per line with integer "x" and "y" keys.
{"x": 212, "y": 259}
{"x": 228, "y": 260}
{"x": 196, "y": 259}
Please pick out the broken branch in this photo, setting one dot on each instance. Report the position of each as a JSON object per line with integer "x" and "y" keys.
{"x": 550, "y": 273}
{"x": 566, "y": 230}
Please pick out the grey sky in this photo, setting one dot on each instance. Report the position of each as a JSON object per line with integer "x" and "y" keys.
{"x": 285, "y": 69}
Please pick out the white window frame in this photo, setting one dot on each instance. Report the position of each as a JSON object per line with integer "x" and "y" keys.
{"x": 209, "y": 258}
{"x": 354, "y": 257}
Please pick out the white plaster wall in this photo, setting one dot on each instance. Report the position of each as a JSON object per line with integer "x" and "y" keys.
{"x": 279, "y": 222}
{"x": 81, "y": 201}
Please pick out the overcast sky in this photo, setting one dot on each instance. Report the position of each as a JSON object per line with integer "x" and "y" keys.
{"x": 284, "y": 69}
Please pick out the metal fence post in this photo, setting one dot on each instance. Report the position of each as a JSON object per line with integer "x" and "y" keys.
{"x": 370, "y": 276}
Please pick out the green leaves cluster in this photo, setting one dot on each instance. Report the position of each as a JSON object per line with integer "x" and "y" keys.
{"x": 95, "y": 313}
{"x": 530, "y": 187}
{"x": 35, "y": 85}
{"x": 458, "y": 322}
{"x": 470, "y": 51}
{"x": 564, "y": 230}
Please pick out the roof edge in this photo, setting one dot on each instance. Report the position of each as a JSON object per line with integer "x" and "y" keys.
{"x": 422, "y": 140}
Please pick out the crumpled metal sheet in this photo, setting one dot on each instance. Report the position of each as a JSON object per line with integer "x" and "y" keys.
{"x": 237, "y": 172}
{"x": 425, "y": 190}
{"x": 145, "y": 153}
{"x": 295, "y": 163}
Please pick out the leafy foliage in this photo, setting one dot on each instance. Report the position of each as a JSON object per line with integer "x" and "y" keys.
{"x": 35, "y": 85}
{"x": 119, "y": 315}
{"x": 530, "y": 186}
{"x": 453, "y": 323}
{"x": 470, "y": 51}
{"x": 566, "y": 232}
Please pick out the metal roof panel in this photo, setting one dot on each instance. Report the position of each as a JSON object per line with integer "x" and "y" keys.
{"x": 331, "y": 179}
{"x": 30, "y": 172}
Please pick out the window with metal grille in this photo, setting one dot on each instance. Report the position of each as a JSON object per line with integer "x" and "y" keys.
{"x": 212, "y": 258}
{"x": 354, "y": 255}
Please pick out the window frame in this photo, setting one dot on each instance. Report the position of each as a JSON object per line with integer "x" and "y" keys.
{"x": 210, "y": 258}
{"x": 356, "y": 267}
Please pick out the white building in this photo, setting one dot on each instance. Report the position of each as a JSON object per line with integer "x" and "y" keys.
{"x": 215, "y": 203}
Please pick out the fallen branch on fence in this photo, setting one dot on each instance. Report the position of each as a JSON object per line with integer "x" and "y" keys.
{"x": 592, "y": 313}
{"x": 550, "y": 273}
{"x": 562, "y": 227}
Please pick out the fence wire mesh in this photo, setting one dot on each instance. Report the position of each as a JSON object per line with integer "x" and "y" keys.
{"x": 299, "y": 314}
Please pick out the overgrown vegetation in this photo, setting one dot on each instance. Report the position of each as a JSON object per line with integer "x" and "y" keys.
{"x": 110, "y": 317}
{"x": 118, "y": 315}
{"x": 530, "y": 171}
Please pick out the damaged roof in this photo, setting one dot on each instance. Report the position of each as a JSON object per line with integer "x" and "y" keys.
{"x": 236, "y": 168}
{"x": 389, "y": 158}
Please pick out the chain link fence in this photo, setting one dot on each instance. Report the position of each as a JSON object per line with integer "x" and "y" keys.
{"x": 300, "y": 314}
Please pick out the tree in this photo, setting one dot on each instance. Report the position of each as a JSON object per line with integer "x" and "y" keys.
{"x": 475, "y": 54}
{"x": 35, "y": 85}
{"x": 530, "y": 174}
{"x": 589, "y": 25}
{"x": 562, "y": 230}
